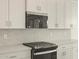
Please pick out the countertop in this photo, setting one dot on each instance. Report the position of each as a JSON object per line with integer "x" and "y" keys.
{"x": 20, "y": 47}
{"x": 13, "y": 48}
{"x": 63, "y": 42}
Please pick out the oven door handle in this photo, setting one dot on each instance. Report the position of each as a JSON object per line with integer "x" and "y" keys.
{"x": 45, "y": 52}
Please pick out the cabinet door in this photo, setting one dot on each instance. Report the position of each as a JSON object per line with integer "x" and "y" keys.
{"x": 43, "y": 6}
{"x": 59, "y": 53}
{"x": 32, "y": 5}
{"x": 60, "y": 13}
{"x": 3, "y": 13}
{"x": 74, "y": 21}
{"x": 68, "y": 13}
{"x": 52, "y": 13}
{"x": 71, "y": 15}
{"x": 69, "y": 52}
{"x": 75, "y": 51}
{"x": 17, "y": 13}
{"x": 65, "y": 52}
{"x": 39, "y": 6}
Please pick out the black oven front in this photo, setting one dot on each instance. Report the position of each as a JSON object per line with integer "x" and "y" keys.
{"x": 42, "y": 50}
{"x": 47, "y": 54}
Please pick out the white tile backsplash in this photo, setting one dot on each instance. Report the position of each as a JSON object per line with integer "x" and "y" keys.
{"x": 16, "y": 36}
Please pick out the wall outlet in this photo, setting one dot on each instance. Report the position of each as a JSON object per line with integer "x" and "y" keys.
{"x": 5, "y": 36}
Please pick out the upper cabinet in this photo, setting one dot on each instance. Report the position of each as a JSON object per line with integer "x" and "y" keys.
{"x": 68, "y": 13}
{"x": 38, "y": 6}
{"x": 57, "y": 13}
{"x": 52, "y": 14}
{"x": 3, "y": 13}
{"x": 12, "y": 13}
{"x": 17, "y": 13}
{"x": 62, "y": 14}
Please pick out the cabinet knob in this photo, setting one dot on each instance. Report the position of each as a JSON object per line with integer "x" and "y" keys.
{"x": 71, "y": 25}
{"x": 56, "y": 25}
{"x": 12, "y": 56}
{"x": 38, "y": 8}
{"x": 64, "y": 53}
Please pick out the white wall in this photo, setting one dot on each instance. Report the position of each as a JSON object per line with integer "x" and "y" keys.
{"x": 17, "y": 36}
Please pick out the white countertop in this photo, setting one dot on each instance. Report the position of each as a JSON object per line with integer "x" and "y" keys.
{"x": 20, "y": 47}
{"x": 63, "y": 42}
{"x": 13, "y": 48}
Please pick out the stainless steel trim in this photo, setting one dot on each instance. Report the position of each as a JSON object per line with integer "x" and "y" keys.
{"x": 45, "y": 52}
{"x": 37, "y": 13}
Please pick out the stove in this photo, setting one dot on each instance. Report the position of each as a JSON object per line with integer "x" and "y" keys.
{"x": 39, "y": 45}
{"x": 42, "y": 50}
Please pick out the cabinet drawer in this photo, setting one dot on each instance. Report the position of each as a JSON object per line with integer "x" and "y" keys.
{"x": 16, "y": 55}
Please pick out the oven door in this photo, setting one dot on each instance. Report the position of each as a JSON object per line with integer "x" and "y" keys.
{"x": 51, "y": 54}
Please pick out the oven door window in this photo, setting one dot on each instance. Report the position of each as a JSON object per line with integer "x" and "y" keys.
{"x": 52, "y": 55}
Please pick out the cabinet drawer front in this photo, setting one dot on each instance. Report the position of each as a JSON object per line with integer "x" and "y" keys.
{"x": 16, "y": 55}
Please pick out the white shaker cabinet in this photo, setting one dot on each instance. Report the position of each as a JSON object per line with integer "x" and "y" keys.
{"x": 68, "y": 51}
{"x": 3, "y": 13}
{"x": 56, "y": 15}
{"x": 65, "y": 52}
{"x": 75, "y": 51}
{"x": 71, "y": 19}
{"x": 17, "y": 13}
{"x": 60, "y": 13}
{"x": 16, "y": 55}
{"x": 52, "y": 13}
{"x": 38, "y": 6}
{"x": 15, "y": 52}
{"x": 44, "y": 6}
{"x": 74, "y": 27}
{"x": 12, "y": 13}
{"x": 68, "y": 13}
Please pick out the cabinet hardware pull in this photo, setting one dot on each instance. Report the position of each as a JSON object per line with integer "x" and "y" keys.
{"x": 56, "y": 25}
{"x": 12, "y": 57}
{"x": 71, "y": 25}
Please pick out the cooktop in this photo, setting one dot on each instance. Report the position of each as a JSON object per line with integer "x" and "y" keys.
{"x": 38, "y": 45}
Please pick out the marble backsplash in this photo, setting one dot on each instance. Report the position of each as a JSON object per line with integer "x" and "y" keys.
{"x": 17, "y": 36}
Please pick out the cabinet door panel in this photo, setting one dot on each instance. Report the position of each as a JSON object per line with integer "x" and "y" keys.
{"x": 60, "y": 13}
{"x": 65, "y": 52}
{"x": 3, "y": 13}
{"x": 44, "y": 6}
{"x": 39, "y": 6}
{"x": 74, "y": 21}
{"x": 17, "y": 13}
{"x": 75, "y": 51}
{"x": 52, "y": 13}
{"x": 59, "y": 51}
{"x": 69, "y": 52}
{"x": 32, "y": 5}
{"x": 68, "y": 13}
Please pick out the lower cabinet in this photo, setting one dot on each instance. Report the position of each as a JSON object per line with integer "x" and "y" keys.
{"x": 75, "y": 51}
{"x": 16, "y": 55}
{"x": 67, "y": 52}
